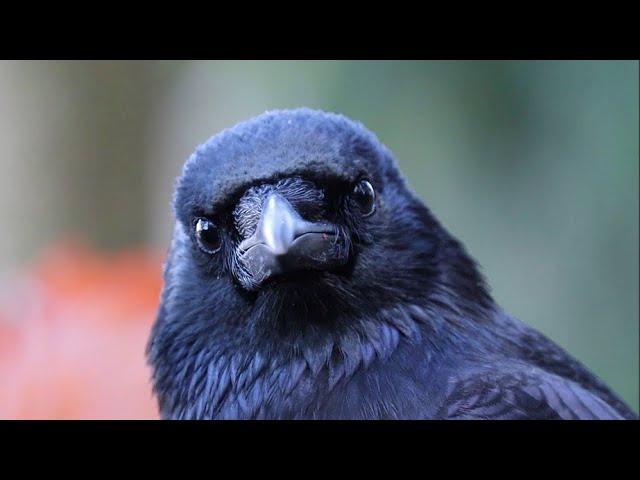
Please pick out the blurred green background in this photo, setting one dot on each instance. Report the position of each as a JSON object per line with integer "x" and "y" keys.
{"x": 533, "y": 165}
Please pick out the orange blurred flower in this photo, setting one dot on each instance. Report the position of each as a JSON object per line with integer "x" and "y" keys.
{"x": 73, "y": 329}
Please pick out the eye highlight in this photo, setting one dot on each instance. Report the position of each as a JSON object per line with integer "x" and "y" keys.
{"x": 207, "y": 235}
{"x": 365, "y": 197}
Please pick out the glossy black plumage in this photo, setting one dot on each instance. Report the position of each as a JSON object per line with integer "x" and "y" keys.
{"x": 402, "y": 326}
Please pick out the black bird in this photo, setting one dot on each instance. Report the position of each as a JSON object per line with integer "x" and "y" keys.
{"x": 306, "y": 281}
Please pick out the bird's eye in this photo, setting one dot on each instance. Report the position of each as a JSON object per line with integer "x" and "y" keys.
{"x": 365, "y": 197}
{"x": 207, "y": 235}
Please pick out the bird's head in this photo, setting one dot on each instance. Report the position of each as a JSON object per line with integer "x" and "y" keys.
{"x": 299, "y": 221}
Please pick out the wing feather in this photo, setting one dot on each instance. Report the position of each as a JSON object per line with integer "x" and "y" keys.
{"x": 522, "y": 394}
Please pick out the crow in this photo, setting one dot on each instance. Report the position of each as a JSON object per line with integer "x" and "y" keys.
{"x": 305, "y": 280}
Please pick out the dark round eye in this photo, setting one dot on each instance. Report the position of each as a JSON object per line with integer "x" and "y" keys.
{"x": 365, "y": 197}
{"x": 208, "y": 236}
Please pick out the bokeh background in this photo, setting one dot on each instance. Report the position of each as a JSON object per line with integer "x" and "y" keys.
{"x": 534, "y": 165}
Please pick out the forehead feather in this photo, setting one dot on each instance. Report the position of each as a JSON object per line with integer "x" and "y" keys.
{"x": 277, "y": 144}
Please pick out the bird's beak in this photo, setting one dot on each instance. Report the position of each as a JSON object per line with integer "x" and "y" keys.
{"x": 285, "y": 242}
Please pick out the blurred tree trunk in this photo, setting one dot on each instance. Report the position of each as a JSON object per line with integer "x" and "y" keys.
{"x": 73, "y": 137}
